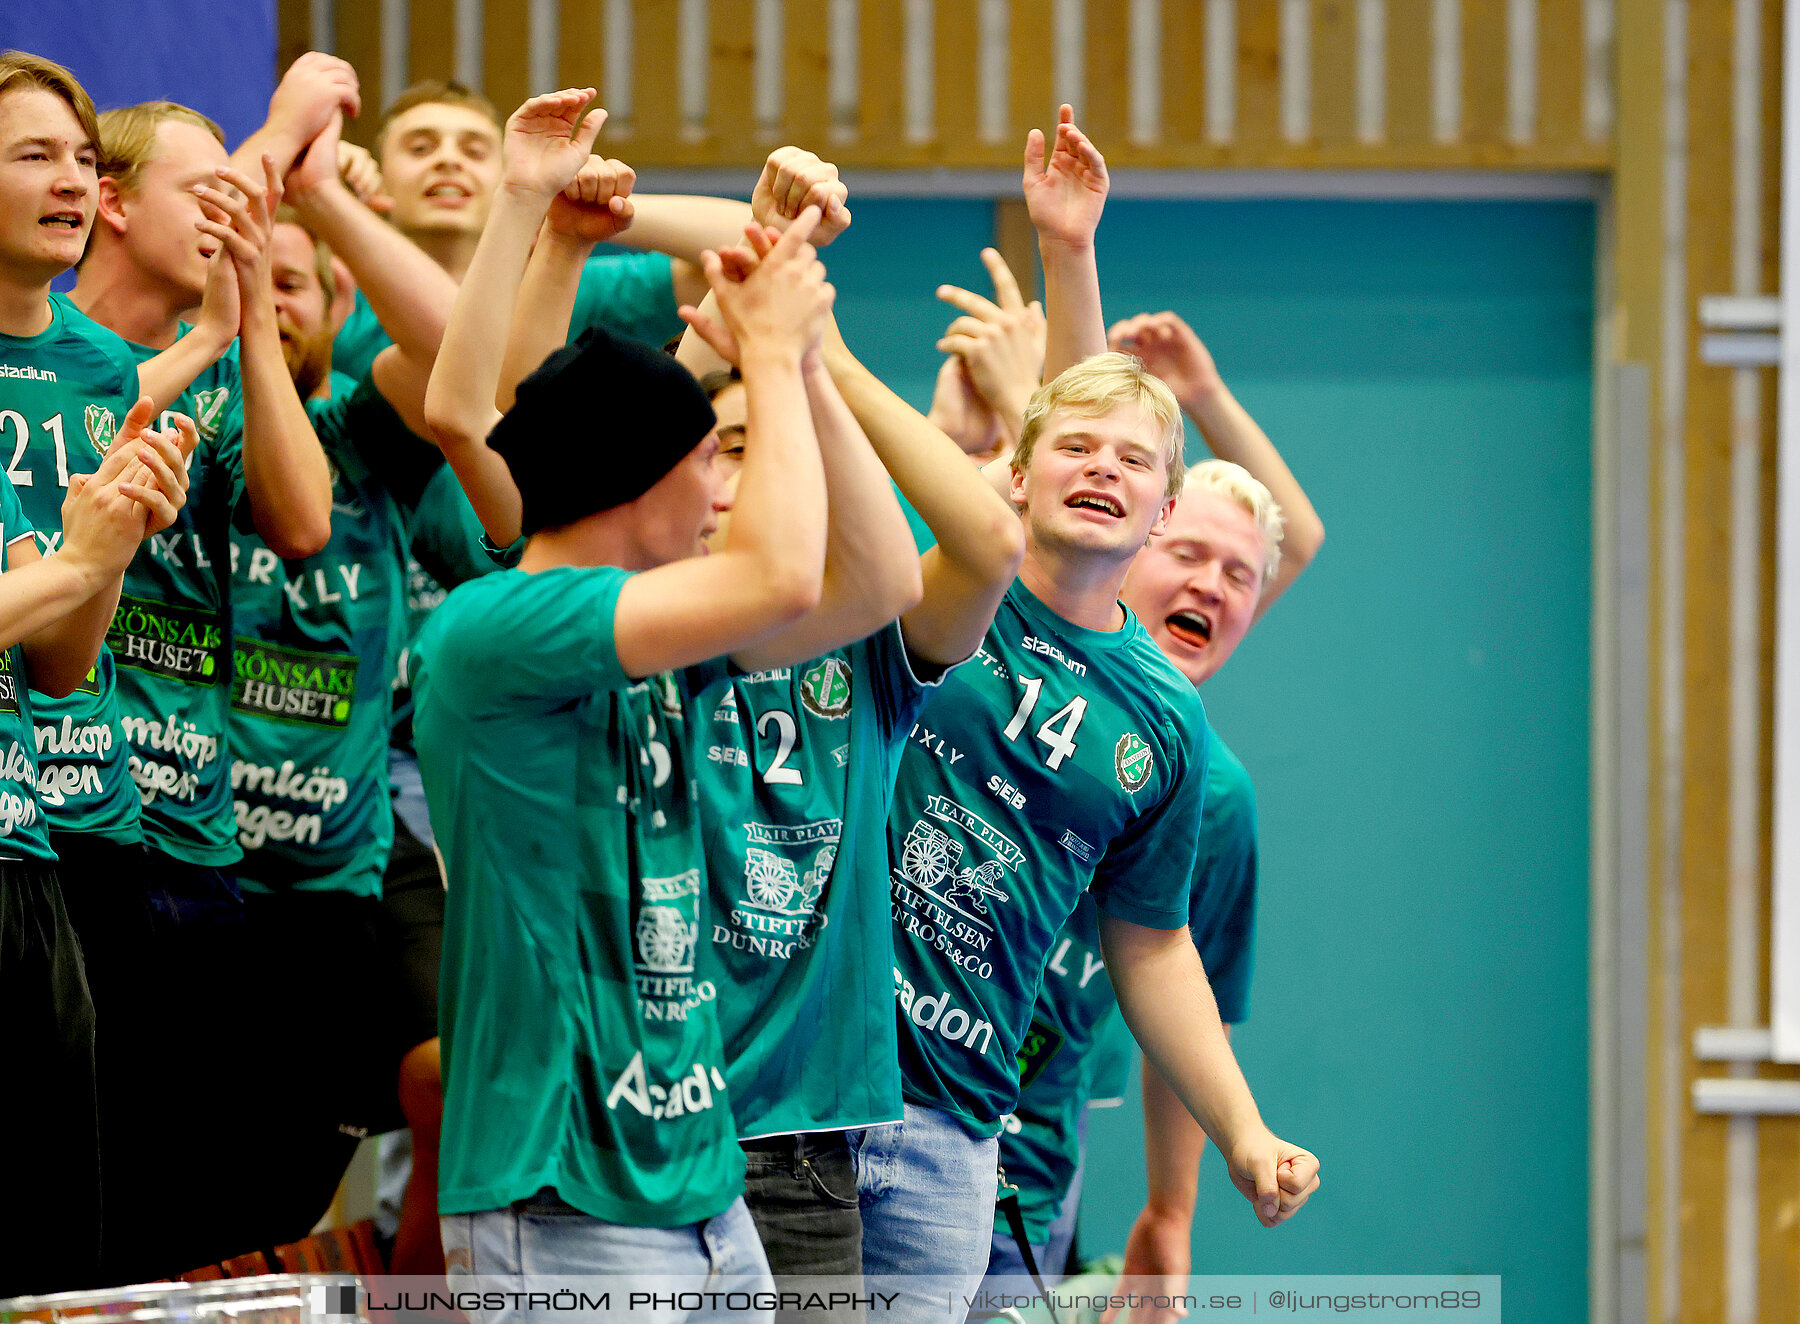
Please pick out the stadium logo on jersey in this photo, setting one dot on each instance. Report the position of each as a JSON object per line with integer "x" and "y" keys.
{"x": 209, "y": 410}
{"x": 27, "y": 373}
{"x": 1032, "y": 644}
{"x": 1133, "y": 763}
{"x": 102, "y": 427}
{"x": 772, "y": 878}
{"x": 668, "y": 925}
{"x": 825, "y": 687}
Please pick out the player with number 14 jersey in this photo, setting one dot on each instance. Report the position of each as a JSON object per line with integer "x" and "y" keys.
{"x": 1057, "y": 755}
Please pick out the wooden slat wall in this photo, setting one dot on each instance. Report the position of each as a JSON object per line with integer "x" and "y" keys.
{"x": 1334, "y": 73}
{"x": 878, "y": 137}
{"x": 1706, "y": 743}
{"x": 1484, "y": 61}
{"x": 1562, "y": 65}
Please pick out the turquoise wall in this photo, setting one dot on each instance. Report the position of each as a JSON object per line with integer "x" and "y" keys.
{"x": 1414, "y": 713}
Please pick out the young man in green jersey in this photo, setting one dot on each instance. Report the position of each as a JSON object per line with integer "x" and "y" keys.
{"x": 315, "y": 640}
{"x": 1222, "y": 560}
{"x": 796, "y": 769}
{"x": 72, "y": 381}
{"x": 53, "y": 613}
{"x": 585, "y": 1129}
{"x": 1068, "y": 756}
{"x": 177, "y": 222}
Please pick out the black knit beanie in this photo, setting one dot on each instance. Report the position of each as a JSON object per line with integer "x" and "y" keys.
{"x": 566, "y": 463}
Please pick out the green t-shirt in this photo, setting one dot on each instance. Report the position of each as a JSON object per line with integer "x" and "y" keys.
{"x": 23, "y": 832}
{"x": 1058, "y": 757}
{"x": 630, "y": 294}
{"x": 800, "y": 939}
{"x": 446, "y": 551}
{"x": 1078, "y": 1053}
{"x": 63, "y": 395}
{"x": 314, "y": 642}
{"x": 170, "y": 636}
{"x": 580, "y": 1051}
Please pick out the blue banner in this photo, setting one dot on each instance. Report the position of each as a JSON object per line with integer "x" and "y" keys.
{"x": 217, "y": 56}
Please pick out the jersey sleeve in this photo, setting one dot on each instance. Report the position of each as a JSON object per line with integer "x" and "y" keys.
{"x": 14, "y": 525}
{"x": 897, "y": 692}
{"x": 630, "y": 294}
{"x": 361, "y": 339}
{"x": 1145, "y": 874}
{"x": 400, "y": 460}
{"x": 533, "y": 640}
{"x": 1222, "y": 909}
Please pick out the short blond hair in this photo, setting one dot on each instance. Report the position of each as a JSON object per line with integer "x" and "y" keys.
{"x": 1236, "y": 484}
{"x": 19, "y": 70}
{"x": 128, "y": 138}
{"x": 1097, "y": 386}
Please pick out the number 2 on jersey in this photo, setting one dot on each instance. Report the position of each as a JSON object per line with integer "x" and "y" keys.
{"x": 786, "y": 733}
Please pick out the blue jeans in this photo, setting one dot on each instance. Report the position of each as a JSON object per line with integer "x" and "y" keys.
{"x": 927, "y": 1190}
{"x": 558, "y": 1246}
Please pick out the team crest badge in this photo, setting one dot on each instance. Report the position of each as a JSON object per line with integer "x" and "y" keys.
{"x": 825, "y": 687}
{"x": 209, "y": 411}
{"x": 1133, "y": 763}
{"x": 102, "y": 427}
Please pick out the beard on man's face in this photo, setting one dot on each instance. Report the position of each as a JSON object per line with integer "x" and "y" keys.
{"x": 308, "y": 359}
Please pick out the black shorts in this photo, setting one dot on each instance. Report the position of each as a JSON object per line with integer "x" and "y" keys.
{"x": 412, "y": 903}
{"x": 50, "y": 1216}
{"x": 329, "y": 1006}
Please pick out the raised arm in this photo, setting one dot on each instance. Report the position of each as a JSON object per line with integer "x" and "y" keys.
{"x": 1162, "y": 989}
{"x": 769, "y": 573}
{"x": 409, "y": 293}
{"x": 315, "y": 87}
{"x": 547, "y": 142}
{"x": 980, "y": 540}
{"x": 592, "y": 208}
{"x": 286, "y": 476}
{"x": 1171, "y": 350}
{"x": 1065, "y": 194}
{"x": 164, "y": 377}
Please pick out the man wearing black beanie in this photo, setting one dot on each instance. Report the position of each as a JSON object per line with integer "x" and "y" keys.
{"x": 583, "y": 1078}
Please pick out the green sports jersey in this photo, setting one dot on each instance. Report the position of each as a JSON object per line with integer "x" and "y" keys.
{"x": 63, "y": 395}
{"x": 314, "y": 642}
{"x": 580, "y": 1050}
{"x": 24, "y": 834}
{"x": 1079, "y": 1051}
{"x": 445, "y": 551}
{"x": 170, "y": 638}
{"x": 1057, "y": 758}
{"x": 630, "y": 294}
{"x": 800, "y": 941}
